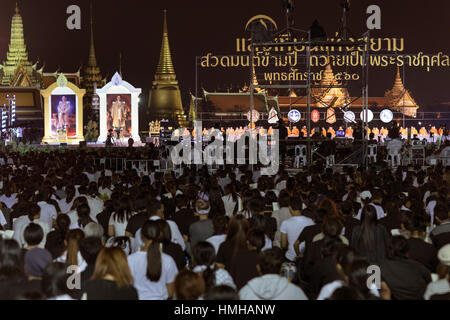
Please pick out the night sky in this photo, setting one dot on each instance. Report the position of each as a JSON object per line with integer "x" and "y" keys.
{"x": 134, "y": 27}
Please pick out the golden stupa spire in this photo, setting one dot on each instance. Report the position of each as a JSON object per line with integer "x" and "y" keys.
{"x": 92, "y": 58}
{"x": 17, "y": 8}
{"x": 165, "y": 65}
{"x": 398, "y": 84}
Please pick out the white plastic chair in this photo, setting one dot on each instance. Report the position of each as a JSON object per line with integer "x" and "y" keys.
{"x": 395, "y": 155}
{"x": 300, "y": 154}
{"x": 330, "y": 160}
{"x": 372, "y": 152}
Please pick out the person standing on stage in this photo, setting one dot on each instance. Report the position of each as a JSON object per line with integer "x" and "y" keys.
{"x": 118, "y": 113}
{"x": 63, "y": 112}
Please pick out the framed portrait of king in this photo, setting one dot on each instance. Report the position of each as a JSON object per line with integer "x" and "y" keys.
{"x": 119, "y": 112}
{"x": 63, "y": 112}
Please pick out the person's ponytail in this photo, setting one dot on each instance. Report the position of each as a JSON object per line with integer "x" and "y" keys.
{"x": 154, "y": 262}
{"x": 151, "y": 232}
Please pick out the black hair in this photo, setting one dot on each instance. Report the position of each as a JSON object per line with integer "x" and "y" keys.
{"x": 222, "y": 292}
{"x": 33, "y": 210}
{"x": 83, "y": 212}
{"x": 257, "y": 239}
{"x": 55, "y": 244}
{"x": 89, "y": 248}
{"x": 205, "y": 254}
{"x": 54, "y": 280}
{"x": 398, "y": 248}
{"x": 11, "y": 262}
{"x": 219, "y": 224}
{"x": 150, "y": 231}
{"x": 270, "y": 261}
{"x": 33, "y": 234}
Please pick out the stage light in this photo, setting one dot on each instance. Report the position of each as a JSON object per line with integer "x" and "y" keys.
{"x": 317, "y": 32}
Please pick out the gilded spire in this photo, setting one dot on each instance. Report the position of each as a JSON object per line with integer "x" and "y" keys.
{"x": 17, "y": 54}
{"x": 92, "y": 59}
{"x": 165, "y": 65}
{"x": 398, "y": 84}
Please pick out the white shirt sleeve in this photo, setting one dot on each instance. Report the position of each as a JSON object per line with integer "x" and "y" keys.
{"x": 172, "y": 270}
{"x": 111, "y": 220}
{"x": 2, "y": 219}
{"x": 283, "y": 227}
{"x": 176, "y": 234}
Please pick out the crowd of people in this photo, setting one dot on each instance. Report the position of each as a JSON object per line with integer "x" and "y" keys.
{"x": 75, "y": 229}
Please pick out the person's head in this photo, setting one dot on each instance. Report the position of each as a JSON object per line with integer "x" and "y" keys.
{"x": 189, "y": 285}
{"x": 347, "y": 208}
{"x": 441, "y": 212}
{"x": 118, "y": 98}
{"x": 398, "y": 248}
{"x": 54, "y": 280}
{"x": 270, "y": 261}
{"x": 222, "y": 292}
{"x": 113, "y": 262}
{"x": 63, "y": 224}
{"x": 36, "y": 260}
{"x": 332, "y": 226}
{"x": 219, "y": 224}
{"x": 443, "y": 269}
{"x": 73, "y": 238}
{"x": 237, "y": 232}
{"x": 181, "y": 201}
{"x": 34, "y": 211}
{"x": 202, "y": 207}
{"x": 90, "y": 248}
{"x": 93, "y": 229}
{"x": 33, "y": 235}
{"x": 150, "y": 235}
{"x": 11, "y": 263}
{"x": 296, "y": 204}
{"x": 283, "y": 199}
{"x": 165, "y": 236}
{"x": 357, "y": 277}
{"x": 256, "y": 239}
{"x": 83, "y": 213}
{"x": 63, "y": 98}
{"x": 156, "y": 208}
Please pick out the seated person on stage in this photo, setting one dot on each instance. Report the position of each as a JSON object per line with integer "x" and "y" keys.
{"x": 295, "y": 132}
{"x": 372, "y": 139}
{"x": 423, "y": 131}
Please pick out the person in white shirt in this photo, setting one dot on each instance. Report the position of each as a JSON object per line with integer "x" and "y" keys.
{"x": 205, "y": 259}
{"x": 8, "y": 197}
{"x": 291, "y": 228}
{"x": 72, "y": 255}
{"x": 19, "y": 225}
{"x": 230, "y": 200}
{"x": 220, "y": 227}
{"x": 281, "y": 214}
{"x": 95, "y": 203}
{"x": 119, "y": 219}
{"x": 154, "y": 272}
{"x": 366, "y": 197}
{"x": 48, "y": 211}
{"x": 66, "y": 203}
{"x": 270, "y": 285}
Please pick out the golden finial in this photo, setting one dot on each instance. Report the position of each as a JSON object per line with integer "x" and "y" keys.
{"x": 17, "y": 8}
{"x": 165, "y": 65}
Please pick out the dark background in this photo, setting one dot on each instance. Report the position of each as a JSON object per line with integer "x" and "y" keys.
{"x": 134, "y": 27}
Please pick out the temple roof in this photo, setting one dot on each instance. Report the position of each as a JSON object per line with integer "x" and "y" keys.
{"x": 400, "y": 99}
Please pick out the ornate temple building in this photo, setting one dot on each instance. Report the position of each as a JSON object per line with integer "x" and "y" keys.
{"x": 400, "y": 99}
{"x": 24, "y": 79}
{"x": 165, "y": 98}
{"x": 212, "y": 107}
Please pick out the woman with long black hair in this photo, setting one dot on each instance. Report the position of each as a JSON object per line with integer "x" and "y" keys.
{"x": 205, "y": 260}
{"x": 119, "y": 219}
{"x": 371, "y": 238}
{"x": 154, "y": 271}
